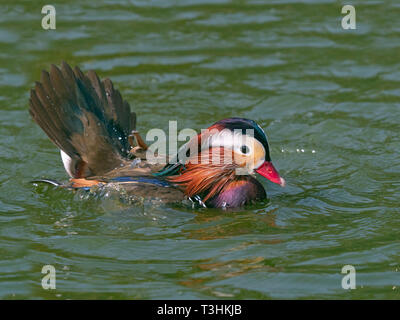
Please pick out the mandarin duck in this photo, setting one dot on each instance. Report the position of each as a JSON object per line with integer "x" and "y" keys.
{"x": 95, "y": 131}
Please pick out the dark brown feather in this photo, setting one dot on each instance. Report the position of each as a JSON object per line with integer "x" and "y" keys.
{"x": 83, "y": 116}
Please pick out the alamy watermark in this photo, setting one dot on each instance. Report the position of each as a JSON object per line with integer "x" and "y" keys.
{"x": 349, "y": 20}
{"x": 349, "y": 280}
{"x": 49, "y": 280}
{"x": 215, "y": 146}
{"x": 49, "y": 20}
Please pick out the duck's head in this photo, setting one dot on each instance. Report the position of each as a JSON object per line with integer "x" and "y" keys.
{"x": 249, "y": 146}
{"x": 218, "y": 165}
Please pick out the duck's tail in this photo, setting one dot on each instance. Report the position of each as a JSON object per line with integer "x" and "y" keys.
{"x": 86, "y": 118}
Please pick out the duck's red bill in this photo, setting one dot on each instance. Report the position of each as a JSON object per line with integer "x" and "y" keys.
{"x": 268, "y": 171}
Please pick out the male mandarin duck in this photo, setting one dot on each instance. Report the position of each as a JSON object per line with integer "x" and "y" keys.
{"x": 95, "y": 130}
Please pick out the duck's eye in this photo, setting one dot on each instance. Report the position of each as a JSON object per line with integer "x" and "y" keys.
{"x": 244, "y": 149}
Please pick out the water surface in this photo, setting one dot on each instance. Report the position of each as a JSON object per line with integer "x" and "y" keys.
{"x": 328, "y": 99}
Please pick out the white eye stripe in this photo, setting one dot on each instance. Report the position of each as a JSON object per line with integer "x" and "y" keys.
{"x": 233, "y": 140}
{"x": 228, "y": 139}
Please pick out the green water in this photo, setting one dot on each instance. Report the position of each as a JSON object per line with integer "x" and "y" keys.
{"x": 328, "y": 99}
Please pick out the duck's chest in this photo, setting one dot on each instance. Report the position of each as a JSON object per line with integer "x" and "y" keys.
{"x": 238, "y": 193}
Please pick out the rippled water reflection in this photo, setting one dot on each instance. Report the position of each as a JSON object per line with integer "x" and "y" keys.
{"x": 328, "y": 99}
